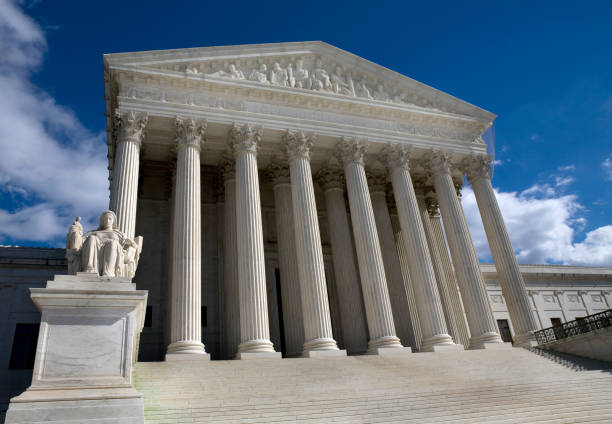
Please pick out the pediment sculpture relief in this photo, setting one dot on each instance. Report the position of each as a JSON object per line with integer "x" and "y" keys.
{"x": 310, "y": 73}
{"x": 105, "y": 251}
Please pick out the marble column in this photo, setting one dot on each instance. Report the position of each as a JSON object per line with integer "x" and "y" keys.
{"x": 278, "y": 172}
{"x": 254, "y": 327}
{"x": 436, "y": 261}
{"x": 231, "y": 316}
{"x": 377, "y": 181}
{"x": 483, "y": 328}
{"x": 129, "y": 130}
{"x": 186, "y": 327}
{"x": 369, "y": 256}
{"x": 319, "y": 339}
{"x": 417, "y": 337}
{"x": 431, "y": 314}
{"x": 352, "y": 314}
{"x": 449, "y": 273}
{"x": 506, "y": 265}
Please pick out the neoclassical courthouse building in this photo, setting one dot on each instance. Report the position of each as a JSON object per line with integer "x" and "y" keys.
{"x": 296, "y": 199}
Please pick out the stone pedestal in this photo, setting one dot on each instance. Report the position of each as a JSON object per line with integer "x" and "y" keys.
{"x": 88, "y": 341}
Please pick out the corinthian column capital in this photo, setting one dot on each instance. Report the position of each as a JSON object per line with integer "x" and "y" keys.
{"x": 352, "y": 150}
{"x": 189, "y": 132}
{"x": 298, "y": 144}
{"x": 245, "y": 138}
{"x": 129, "y": 126}
{"x": 396, "y": 155}
{"x": 437, "y": 162}
{"x": 477, "y": 166}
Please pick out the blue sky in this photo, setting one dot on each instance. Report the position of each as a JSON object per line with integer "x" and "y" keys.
{"x": 545, "y": 68}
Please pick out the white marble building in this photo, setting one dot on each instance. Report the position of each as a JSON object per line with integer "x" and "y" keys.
{"x": 216, "y": 153}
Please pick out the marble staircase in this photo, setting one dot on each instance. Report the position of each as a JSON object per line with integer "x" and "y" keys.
{"x": 511, "y": 385}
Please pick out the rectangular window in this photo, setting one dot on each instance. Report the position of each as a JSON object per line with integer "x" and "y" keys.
{"x": 24, "y": 346}
{"x": 555, "y": 321}
{"x": 149, "y": 317}
{"x": 204, "y": 317}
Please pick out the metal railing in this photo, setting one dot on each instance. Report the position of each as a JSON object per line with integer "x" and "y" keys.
{"x": 572, "y": 328}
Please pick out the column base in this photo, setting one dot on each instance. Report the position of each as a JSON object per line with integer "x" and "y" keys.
{"x": 320, "y": 345}
{"x": 323, "y": 353}
{"x": 176, "y": 357}
{"x": 185, "y": 348}
{"x": 526, "y": 340}
{"x": 385, "y": 342}
{"x": 389, "y": 351}
{"x": 485, "y": 341}
{"x": 257, "y": 349}
{"x": 258, "y": 355}
{"x": 438, "y": 343}
{"x": 443, "y": 348}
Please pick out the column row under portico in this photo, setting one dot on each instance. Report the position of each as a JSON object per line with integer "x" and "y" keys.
{"x": 366, "y": 263}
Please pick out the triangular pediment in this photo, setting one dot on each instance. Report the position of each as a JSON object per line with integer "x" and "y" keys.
{"x": 311, "y": 66}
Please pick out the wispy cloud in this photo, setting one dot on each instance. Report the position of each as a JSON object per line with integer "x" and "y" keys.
{"x": 542, "y": 228}
{"x": 567, "y": 168}
{"x": 48, "y": 158}
{"x": 607, "y": 167}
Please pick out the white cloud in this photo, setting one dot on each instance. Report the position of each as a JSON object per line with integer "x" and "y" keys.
{"x": 48, "y": 158}
{"x": 542, "y": 227}
{"x": 607, "y": 167}
{"x": 567, "y": 168}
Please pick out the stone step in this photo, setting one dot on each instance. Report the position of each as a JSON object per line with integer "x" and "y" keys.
{"x": 503, "y": 386}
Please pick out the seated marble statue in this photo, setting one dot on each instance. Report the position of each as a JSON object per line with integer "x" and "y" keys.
{"x": 105, "y": 251}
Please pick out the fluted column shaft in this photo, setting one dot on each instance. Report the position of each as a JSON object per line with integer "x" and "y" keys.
{"x": 313, "y": 288}
{"x": 129, "y": 133}
{"x": 393, "y": 271}
{"x": 483, "y": 328}
{"x": 417, "y": 337}
{"x": 352, "y": 315}
{"x": 230, "y": 261}
{"x": 431, "y": 314}
{"x": 451, "y": 280}
{"x": 186, "y": 329}
{"x": 254, "y": 326}
{"x": 436, "y": 261}
{"x": 287, "y": 260}
{"x": 371, "y": 266}
{"x": 506, "y": 265}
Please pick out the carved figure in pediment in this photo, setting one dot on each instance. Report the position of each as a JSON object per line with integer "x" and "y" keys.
{"x": 381, "y": 94}
{"x": 362, "y": 90}
{"x": 105, "y": 251}
{"x": 340, "y": 85}
{"x": 279, "y": 76}
{"x": 192, "y": 70}
{"x": 320, "y": 77}
{"x": 399, "y": 97}
{"x": 260, "y": 75}
{"x": 300, "y": 77}
{"x": 233, "y": 73}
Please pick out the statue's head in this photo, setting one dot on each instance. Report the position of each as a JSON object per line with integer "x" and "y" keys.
{"x": 108, "y": 221}
{"x": 232, "y": 67}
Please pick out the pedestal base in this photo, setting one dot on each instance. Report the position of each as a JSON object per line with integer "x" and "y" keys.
{"x": 104, "y": 406}
{"x": 504, "y": 345}
{"x": 323, "y": 353}
{"x": 88, "y": 341}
